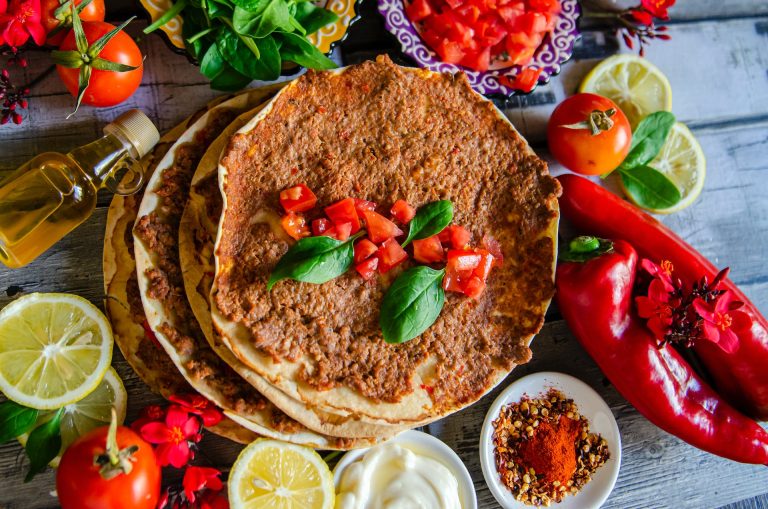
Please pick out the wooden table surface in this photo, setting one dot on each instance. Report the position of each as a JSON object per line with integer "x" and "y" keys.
{"x": 717, "y": 62}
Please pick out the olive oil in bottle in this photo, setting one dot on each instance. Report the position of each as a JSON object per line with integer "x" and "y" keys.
{"x": 51, "y": 194}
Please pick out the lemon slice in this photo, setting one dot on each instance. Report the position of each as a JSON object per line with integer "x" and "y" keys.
{"x": 270, "y": 473}
{"x": 54, "y": 349}
{"x": 637, "y": 86}
{"x": 682, "y": 161}
{"x": 89, "y": 413}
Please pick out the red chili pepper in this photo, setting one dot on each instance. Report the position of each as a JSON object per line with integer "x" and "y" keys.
{"x": 740, "y": 376}
{"x": 595, "y": 298}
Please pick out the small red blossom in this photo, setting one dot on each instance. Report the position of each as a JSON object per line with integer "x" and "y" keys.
{"x": 19, "y": 20}
{"x": 172, "y": 437}
{"x": 198, "y": 405}
{"x": 198, "y": 479}
{"x": 149, "y": 413}
{"x": 213, "y": 500}
{"x": 722, "y": 321}
{"x": 658, "y": 8}
{"x": 663, "y": 272}
{"x": 642, "y": 17}
{"x": 656, "y": 308}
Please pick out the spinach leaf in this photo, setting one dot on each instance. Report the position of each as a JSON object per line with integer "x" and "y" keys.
{"x": 650, "y": 188}
{"x": 315, "y": 260}
{"x": 297, "y": 49}
{"x": 15, "y": 420}
{"x": 229, "y": 80}
{"x": 648, "y": 139}
{"x": 43, "y": 445}
{"x": 212, "y": 64}
{"x": 430, "y": 220}
{"x": 275, "y": 16}
{"x": 312, "y": 17}
{"x": 259, "y": 59}
{"x": 412, "y": 304}
{"x": 251, "y": 5}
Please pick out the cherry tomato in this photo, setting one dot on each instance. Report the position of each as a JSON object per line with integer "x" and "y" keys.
{"x": 578, "y": 149}
{"x": 80, "y": 485}
{"x": 94, "y": 11}
{"x": 106, "y": 88}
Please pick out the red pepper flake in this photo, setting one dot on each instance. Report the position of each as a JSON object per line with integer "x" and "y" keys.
{"x": 430, "y": 390}
{"x": 150, "y": 334}
{"x": 321, "y": 109}
{"x": 365, "y": 88}
{"x": 294, "y": 170}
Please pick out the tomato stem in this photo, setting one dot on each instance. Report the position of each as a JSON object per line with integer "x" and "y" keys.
{"x": 597, "y": 122}
{"x": 115, "y": 461}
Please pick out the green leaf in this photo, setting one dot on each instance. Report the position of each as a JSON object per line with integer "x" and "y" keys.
{"x": 259, "y": 59}
{"x": 229, "y": 80}
{"x": 43, "y": 445}
{"x": 99, "y": 44}
{"x": 650, "y": 188}
{"x": 315, "y": 260}
{"x": 67, "y": 58}
{"x": 430, "y": 220}
{"x": 412, "y": 304}
{"x": 84, "y": 79}
{"x": 81, "y": 42}
{"x": 297, "y": 49}
{"x": 648, "y": 139}
{"x": 15, "y": 420}
{"x": 219, "y": 10}
{"x": 212, "y": 63}
{"x": 251, "y": 5}
{"x": 167, "y": 16}
{"x": 275, "y": 16}
{"x": 106, "y": 65}
{"x": 313, "y": 18}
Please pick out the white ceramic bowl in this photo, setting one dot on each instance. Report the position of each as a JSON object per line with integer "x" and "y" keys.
{"x": 590, "y": 405}
{"x": 429, "y": 446}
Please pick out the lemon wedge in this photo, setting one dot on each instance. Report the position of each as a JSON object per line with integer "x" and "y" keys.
{"x": 637, "y": 86}
{"x": 89, "y": 413}
{"x": 54, "y": 349}
{"x": 270, "y": 473}
{"x": 683, "y": 162}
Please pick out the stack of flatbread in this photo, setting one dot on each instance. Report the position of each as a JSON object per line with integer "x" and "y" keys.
{"x": 187, "y": 261}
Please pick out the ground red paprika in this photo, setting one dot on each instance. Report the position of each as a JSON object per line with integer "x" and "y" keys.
{"x": 551, "y": 451}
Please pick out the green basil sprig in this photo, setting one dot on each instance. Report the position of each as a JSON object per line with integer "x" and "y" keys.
{"x": 43, "y": 444}
{"x": 429, "y": 220}
{"x": 647, "y": 186}
{"x": 315, "y": 260}
{"x": 15, "y": 420}
{"x": 412, "y": 304}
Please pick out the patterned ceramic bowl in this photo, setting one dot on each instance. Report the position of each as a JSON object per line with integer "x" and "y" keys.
{"x": 325, "y": 39}
{"x": 555, "y": 50}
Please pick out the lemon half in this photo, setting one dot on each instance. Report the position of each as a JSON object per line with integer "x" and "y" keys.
{"x": 637, "y": 86}
{"x": 54, "y": 349}
{"x": 271, "y": 473}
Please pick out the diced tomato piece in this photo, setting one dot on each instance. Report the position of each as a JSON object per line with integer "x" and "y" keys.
{"x": 361, "y": 205}
{"x": 545, "y": 6}
{"x": 525, "y": 40}
{"x": 445, "y": 235}
{"x": 449, "y": 51}
{"x": 470, "y": 13}
{"x": 320, "y": 226}
{"x": 298, "y": 198}
{"x": 460, "y": 236}
{"x": 428, "y": 250}
{"x": 344, "y": 212}
{"x": 402, "y": 211}
{"x": 390, "y": 254}
{"x": 525, "y": 80}
{"x": 478, "y": 61}
{"x": 460, "y": 260}
{"x": 510, "y": 13}
{"x": 519, "y": 55}
{"x": 367, "y": 268}
{"x": 485, "y": 265}
{"x": 530, "y": 23}
{"x": 379, "y": 227}
{"x": 454, "y": 4}
{"x": 417, "y": 10}
{"x": 295, "y": 225}
{"x": 364, "y": 249}
{"x": 494, "y": 247}
{"x": 455, "y": 281}
{"x": 491, "y": 32}
{"x": 340, "y": 231}
{"x": 474, "y": 287}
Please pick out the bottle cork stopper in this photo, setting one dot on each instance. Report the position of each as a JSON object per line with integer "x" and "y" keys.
{"x": 136, "y": 128}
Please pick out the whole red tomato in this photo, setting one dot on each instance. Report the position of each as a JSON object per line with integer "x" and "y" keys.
{"x": 94, "y": 11}
{"x": 106, "y": 88}
{"x": 80, "y": 485}
{"x": 580, "y": 149}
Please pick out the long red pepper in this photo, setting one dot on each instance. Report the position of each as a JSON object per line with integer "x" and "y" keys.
{"x": 742, "y": 376}
{"x": 595, "y": 298}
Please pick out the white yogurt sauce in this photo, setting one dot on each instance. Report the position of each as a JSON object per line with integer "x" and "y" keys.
{"x": 390, "y": 476}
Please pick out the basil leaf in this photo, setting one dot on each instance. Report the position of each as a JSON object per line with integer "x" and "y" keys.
{"x": 648, "y": 139}
{"x": 312, "y": 17}
{"x": 297, "y": 49}
{"x": 15, "y": 420}
{"x": 229, "y": 80}
{"x": 412, "y": 304}
{"x": 650, "y": 188}
{"x": 430, "y": 220}
{"x": 212, "y": 63}
{"x": 315, "y": 260}
{"x": 43, "y": 444}
{"x": 259, "y": 59}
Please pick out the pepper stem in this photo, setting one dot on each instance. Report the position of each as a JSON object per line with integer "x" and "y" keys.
{"x": 115, "y": 461}
{"x": 597, "y": 122}
{"x": 585, "y": 248}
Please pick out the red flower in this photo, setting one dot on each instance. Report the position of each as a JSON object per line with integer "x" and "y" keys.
{"x": 197, "y": 479}
{"x": 662, "y": 272}
{"x": 149, "y": 413}
{"x": 722, "y": 321}
{"x": 213, "y": 500}
{"x": 3, "y": 7}
{"x": 642, "y": 17}
{"x": 172, "y": 437}
{"x": 198, "y": 405}
{"x": 656, "y": 308}
{"x": 19, "y": 20}
{"x": 658, "y": 8}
